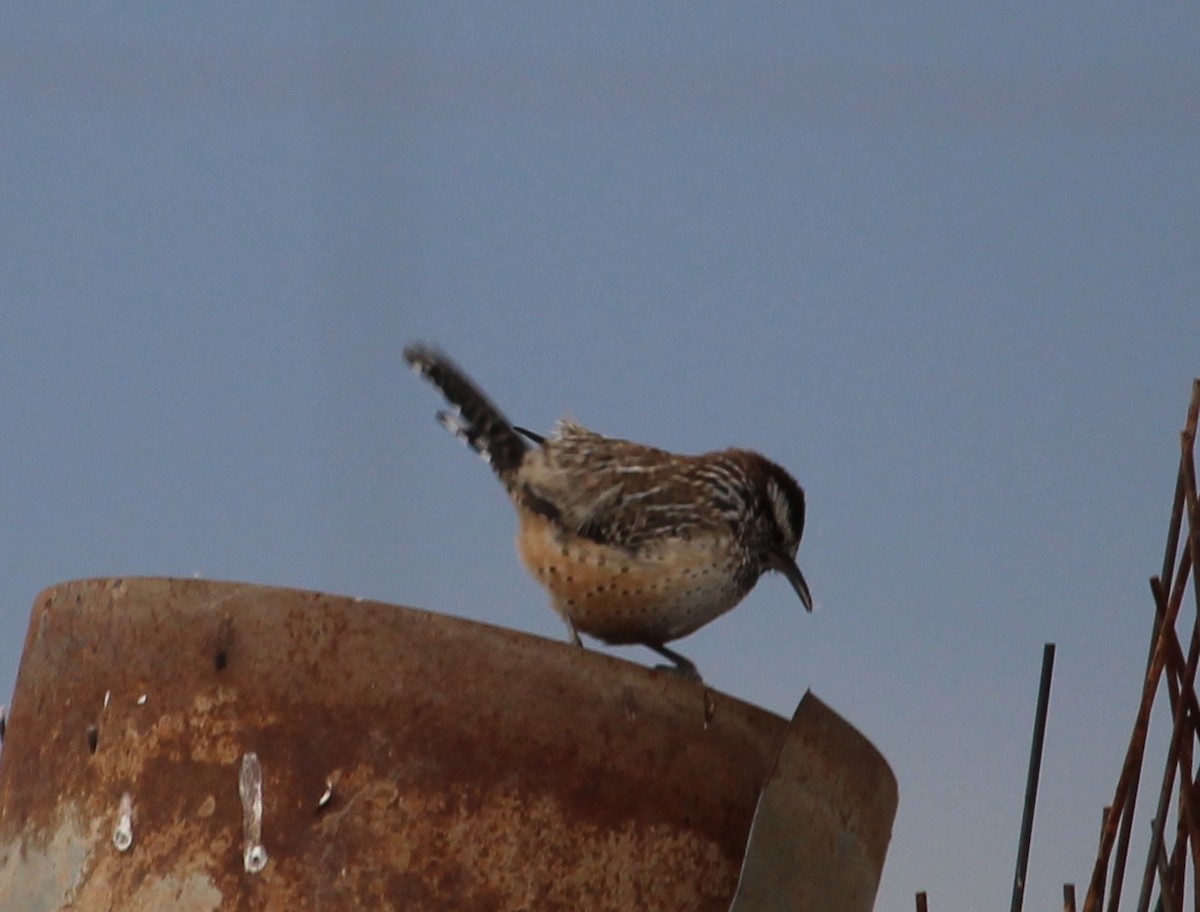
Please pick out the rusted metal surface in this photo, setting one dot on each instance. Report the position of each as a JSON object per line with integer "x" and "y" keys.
{"x": 823, "y": 821}
{"x": 197, "y": 745}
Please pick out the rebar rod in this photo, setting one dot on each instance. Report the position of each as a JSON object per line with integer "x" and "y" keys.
{"x": 1031, "y": 780}
{"x": 1133, "y": 756}
{"x": 1069, "y": 897}
{"x": 1179, "y": 729}
{"x": 1120, "y": 814}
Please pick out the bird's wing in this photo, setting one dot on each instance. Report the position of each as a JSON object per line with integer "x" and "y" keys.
{"x": 610, "y": 490}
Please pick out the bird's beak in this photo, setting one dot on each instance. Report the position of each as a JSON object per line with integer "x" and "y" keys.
{"x": 786, "y": 564}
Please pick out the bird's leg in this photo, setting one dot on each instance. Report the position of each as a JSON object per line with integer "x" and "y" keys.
{"x": 681, "y": 666}
{"x": 573, "y": 632}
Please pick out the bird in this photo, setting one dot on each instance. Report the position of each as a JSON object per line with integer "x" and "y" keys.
{"x": 635, "y": 545}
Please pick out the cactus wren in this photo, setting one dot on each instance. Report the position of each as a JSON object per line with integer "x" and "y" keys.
{"x": 633, "y": 543}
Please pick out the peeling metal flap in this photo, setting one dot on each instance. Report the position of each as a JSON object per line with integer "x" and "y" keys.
{"x": 823, "y": 821}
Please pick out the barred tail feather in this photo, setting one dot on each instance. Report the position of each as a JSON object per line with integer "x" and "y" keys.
{"x": 475, "y": 421}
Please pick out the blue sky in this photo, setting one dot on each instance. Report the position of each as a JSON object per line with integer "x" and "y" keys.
{"x": 940, "y": 262}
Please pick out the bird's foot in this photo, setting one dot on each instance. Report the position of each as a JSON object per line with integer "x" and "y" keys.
{"x": 687, "y": 673}
{"x": 680, "y": 665}
{"x": 574, "y": 634}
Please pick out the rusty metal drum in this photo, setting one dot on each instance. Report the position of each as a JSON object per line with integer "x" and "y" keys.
{"x": 195, "y": 745}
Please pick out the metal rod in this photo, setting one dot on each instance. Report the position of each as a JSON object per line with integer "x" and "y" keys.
{"x": 1155, "y": 863}
{"x": 1195, "y": 872}
{"x": 1031, "y": 783}
{"x": 1175, "y": 657}
{"x": 1068, "y": 898}
{"x": 1131, "y": 769}
{"x": 1174, "y": 661}
{"x": 1178, "y": 858}
{"x": 1172, "y": 548}
{"x": 1102, "y": 860}
{"x": 1174, "y": 667}
{"x": 1181, "y": 729}
{"x": 1165, "y": 898}
{"x": 1122, "y": 851}
{"x": 1164, "y": 651}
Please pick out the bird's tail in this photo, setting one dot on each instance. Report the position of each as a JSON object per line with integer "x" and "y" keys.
{"x": 475, "y": 420}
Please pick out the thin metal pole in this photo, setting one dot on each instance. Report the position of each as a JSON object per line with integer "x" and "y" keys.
{"x": 1130, "y": 771}
{"x": 1068, "y": 897}
{"x": 1031, "y": 783}
{"x": 1121, "y": 853}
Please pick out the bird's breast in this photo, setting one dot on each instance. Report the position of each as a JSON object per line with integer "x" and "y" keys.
{"x": 660, "y": 592}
